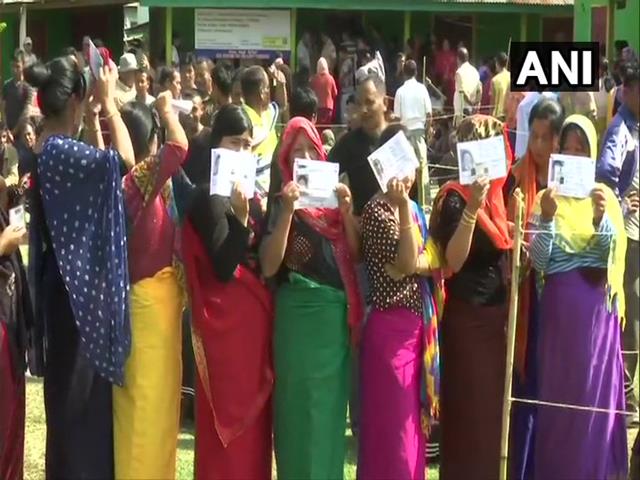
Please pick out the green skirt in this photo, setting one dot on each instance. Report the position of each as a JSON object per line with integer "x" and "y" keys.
{"x": 311, "y": 356}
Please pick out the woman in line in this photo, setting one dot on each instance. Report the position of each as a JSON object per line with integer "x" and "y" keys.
{"x": 232, "y": 319}
{"x": 326, "y": 90}
{"x": 397, "y": 334}
{"x": 530, "y": 176}
{"x": 311, "y": 252}
{"x": 15, "y": 323}
{"x": 146, "y": 411}
{"x": 580, "y": 252}
{"x": 79, "y": 268}
{"x": 475, "y": 314}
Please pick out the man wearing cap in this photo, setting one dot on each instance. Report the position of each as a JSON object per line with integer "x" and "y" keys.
{"x": 126, "y": 84}
{"x": 28, "y": 55}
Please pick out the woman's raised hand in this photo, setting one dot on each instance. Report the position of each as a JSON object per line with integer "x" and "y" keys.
{"x": 548, "y": 204}
{"x": 479, "y": 191}
{"x": 345, "y": 202}
{"x": 599, "y": 200}
{"x": 105, "y": 86}
{"x": 239, "y": 204}
{"x": 290, "y": 194}
{"x": 397, "y": 192}
{"x": 163, "y": 105}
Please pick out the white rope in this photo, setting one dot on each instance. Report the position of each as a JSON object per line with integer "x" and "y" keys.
{"x": 570, "y": 407}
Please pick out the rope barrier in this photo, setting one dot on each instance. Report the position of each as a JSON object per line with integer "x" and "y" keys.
{"x": 570, "y": 407}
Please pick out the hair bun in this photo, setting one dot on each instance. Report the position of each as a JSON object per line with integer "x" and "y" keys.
{"x": 37, "y": 75}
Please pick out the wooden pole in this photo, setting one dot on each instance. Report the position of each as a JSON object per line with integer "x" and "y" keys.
{"x": 511, "y": 336}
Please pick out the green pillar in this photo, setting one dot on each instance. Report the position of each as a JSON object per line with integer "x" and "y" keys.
{"x": 168, "y": 35}
{"x": 523, "y": 27}
{"x": 407, "y": 27}
{"x": 294, "y": 39}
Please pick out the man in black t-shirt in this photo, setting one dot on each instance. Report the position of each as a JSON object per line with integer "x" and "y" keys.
{"x": 354, "y": 147}
{"x": 16, "y": 95}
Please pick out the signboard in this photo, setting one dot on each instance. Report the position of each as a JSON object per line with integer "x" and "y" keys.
{"x": 235, "y": 33}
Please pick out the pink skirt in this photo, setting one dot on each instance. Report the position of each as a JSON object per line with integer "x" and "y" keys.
{"x": 392, "y": 444}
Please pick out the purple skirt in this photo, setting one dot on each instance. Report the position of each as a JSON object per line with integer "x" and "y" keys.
{"x": 391, "y": 438}
{"x": 579, "y": 363}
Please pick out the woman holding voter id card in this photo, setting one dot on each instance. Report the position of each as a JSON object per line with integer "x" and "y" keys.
{"x": 232, "y": 316}
{"x": 578, "y": 249}
{"x": 145, "y": 423}
{"x": 311, "y": 253}
{"x": 399, "y": 371}
{"x": 469, "y": 224}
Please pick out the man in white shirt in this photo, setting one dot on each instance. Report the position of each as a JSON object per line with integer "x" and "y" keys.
{"x": 522, "y": 120}
{"x": 468, "y": 92}
{"x": 371, "y": 66}
{"x": 413, "y": 105}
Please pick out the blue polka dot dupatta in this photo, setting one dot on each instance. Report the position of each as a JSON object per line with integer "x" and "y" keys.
{"x": 83, "y": 205}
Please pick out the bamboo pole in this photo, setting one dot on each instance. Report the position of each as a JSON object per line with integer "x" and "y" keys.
{"x": 511, "y": 336}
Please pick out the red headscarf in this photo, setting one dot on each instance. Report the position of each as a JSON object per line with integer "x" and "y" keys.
{"x": 325, "y": 221}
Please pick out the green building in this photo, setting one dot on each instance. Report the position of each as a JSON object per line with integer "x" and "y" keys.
{"x": 485, "y": 26}
{"x": 56, "y": 24}
{"x": 607, "y": 21}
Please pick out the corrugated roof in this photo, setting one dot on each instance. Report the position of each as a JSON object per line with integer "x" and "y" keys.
{"x": 397, "y": 5}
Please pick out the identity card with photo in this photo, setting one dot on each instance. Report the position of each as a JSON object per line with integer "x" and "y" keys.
{"x": 229, "y": 167}
{"x": 482, "y": 158}
{"x": 17, "y": 216}
{"x": 395, "y": 159}
{"x": 95, "y": 60}
{"x": 317, "y": 182}
{"x": 572, "y": 176}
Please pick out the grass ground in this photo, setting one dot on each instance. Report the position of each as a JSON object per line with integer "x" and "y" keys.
{"x": 36, "y": 432}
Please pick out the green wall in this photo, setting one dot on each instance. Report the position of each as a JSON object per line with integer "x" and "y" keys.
{"x": 8, "y": 42}
{"x": 493, "y": 31}
{"x": 626, "y": 21}
{"x": 627, "y": 24}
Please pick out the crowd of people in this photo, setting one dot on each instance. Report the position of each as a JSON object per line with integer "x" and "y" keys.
{"x": 298, "y": 319}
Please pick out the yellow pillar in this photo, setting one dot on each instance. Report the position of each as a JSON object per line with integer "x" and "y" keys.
{"x": 523, "y": 27}
{"x": 407, "y": 27}
{"x": 168, "y": 35}
{"x": 293, "y": 61}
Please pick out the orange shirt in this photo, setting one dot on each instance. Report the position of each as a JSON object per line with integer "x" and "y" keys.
{"x": 512, "y": 101}
{"x": 325, "y": 87}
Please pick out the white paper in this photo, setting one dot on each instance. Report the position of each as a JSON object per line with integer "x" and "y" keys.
{"x": 394, "y": 159}
{"x": 572, "y": 176}
{"x": 229, "y": 167}
{"x": 482, "y": 158}
{"x": 317, "y": 182}
{"x": 17, "y": 216}
{"x": 95, "y": 60}
{"x": 182, "y": 106}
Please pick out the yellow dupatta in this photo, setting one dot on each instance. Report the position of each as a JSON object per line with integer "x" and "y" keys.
{"x": 574, "y": 230}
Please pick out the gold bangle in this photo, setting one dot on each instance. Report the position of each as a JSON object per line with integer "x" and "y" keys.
{"x": 471, "y": 216}
{"x": 467, "y": 221}
{"x": 406, "y": 227}
{"x": 91, "y": 129}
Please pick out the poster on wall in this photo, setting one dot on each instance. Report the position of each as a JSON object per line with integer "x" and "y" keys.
{"x": 235, "y": 33}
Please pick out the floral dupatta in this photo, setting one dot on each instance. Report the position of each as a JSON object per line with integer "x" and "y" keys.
{"x": 432, "y": 303}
